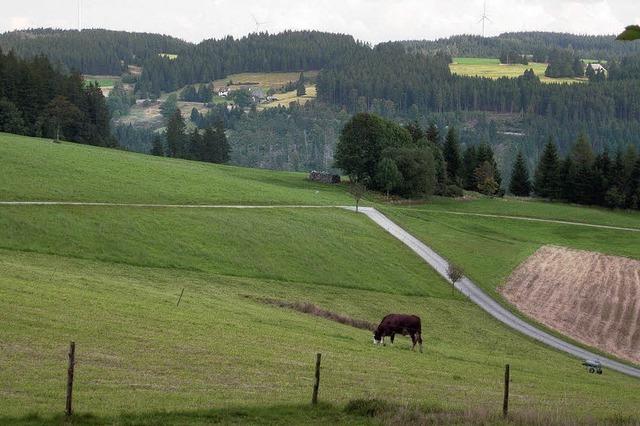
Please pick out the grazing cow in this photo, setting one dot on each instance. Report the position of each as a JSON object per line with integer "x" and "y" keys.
{"x": 400, "y": 324}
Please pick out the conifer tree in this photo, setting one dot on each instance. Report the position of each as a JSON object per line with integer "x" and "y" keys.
{"x": 547, "y": 176}
{"x": 451, "y": 153}
{"x": 433, "y": 134}
{"x": 585, "y": 180}
{"x": 469, "y": 165}
{"x": 520, "y": 184}
{"x": 175, "y": 135}
{"x": 157, "y": 148}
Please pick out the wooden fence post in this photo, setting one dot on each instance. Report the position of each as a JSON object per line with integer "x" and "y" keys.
{"x": 72, "y": 361}
{"x": 505, "y": 404}
{"x": 316, "y": 385}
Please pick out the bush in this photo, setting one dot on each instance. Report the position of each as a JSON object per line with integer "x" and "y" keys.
{"x": 454, "y": 191}
{"x": 367, "y": 407}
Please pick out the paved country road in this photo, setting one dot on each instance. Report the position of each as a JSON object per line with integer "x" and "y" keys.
{"x": 437, "y": 262}
{"x": 482, "y": 299}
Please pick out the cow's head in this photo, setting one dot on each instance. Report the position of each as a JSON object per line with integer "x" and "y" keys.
{"x": 377, "y": 337}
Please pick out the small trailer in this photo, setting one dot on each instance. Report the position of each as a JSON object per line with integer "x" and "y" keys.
{"x": 593, "y": 366}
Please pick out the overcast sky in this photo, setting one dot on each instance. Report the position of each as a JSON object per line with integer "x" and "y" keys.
{"x": 369, "y": 20}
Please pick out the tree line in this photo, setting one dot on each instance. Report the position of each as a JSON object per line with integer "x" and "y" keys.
{"x": 38, "y": 100}
{"x": 257, "y": 52}
{"x": 583, "y": 177}
{"x": 90, "y": 51}
{"x": 538, "y": 44}
{"x": 413, "y": 162}
{"x": 209, "y": 145}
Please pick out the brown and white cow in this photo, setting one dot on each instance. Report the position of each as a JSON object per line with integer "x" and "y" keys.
{"x": 394, "y": 324}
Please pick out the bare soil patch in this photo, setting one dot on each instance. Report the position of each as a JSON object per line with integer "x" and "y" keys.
{"x": 591, "y": 297}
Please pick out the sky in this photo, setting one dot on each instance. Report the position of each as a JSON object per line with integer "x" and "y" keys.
{"x": 368, "y": 20}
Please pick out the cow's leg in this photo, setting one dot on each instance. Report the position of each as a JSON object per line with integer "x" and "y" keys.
{"x": 382, "y": 340}
{"x": 393, "y": 335}
{"x": 420, "y": 341}
{"x": 413, "y": 340}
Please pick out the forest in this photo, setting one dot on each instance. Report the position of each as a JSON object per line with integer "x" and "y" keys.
{"x": 536, "y": 43}
{"x": 94, "y": 51}
{"x": 405, "y": 82}
{"x": 37, "y": 100}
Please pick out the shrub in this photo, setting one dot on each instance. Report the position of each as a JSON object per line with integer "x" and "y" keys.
{"x": 367, "y": 407}
{"x": 454, "y": 191}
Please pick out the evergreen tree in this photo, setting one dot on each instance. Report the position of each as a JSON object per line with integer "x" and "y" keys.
{"x": 547, "y": 176}
{"x": 520, "y": 184}
{"x": 585, "y": 180}
{"x": 451, "y": 154}
{"x": 469, "y": 165}
{"x": 300, "y": 89}
{"x": 223, "y": 149}
{"x": 157, "y": 147}
{"x": 169, "y": 106}
{"x": 485, "y": 153}
{"x": 416, "y": 132}
{"x": 433, "y": 134}
{"x": 176, "y": 136}
{"x": 196, "y": 146}
{"x": 633, "y": 198}
{"x": 568, "y": 180}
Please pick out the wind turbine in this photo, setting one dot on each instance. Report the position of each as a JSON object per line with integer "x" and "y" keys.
{"x": 484, "y": 18}
{"x": 79, "y": 15}
{"x": 258, "y": 23}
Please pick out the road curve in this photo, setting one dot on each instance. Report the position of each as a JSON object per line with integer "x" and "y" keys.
{"x": 482, "y": 299}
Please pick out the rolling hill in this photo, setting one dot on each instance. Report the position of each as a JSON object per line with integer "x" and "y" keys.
{"x": 109, "y": 277}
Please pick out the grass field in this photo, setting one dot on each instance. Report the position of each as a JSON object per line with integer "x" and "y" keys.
{"x": 462, "y": 238}
{"x": 104, "y": 81}
{"x": 109, "y": 278}
{"x": 264, "y": 80}
{"x": 492, "y": 68}
{"x": 38, "y": 169}
{"x": 284, "y": 99}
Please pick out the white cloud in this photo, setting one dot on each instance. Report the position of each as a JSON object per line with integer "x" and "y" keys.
{"x": 369, "y": 20}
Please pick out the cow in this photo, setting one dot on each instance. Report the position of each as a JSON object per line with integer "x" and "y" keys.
{"x": 400, "y": 324}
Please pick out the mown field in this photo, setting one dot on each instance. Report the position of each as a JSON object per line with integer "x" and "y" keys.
{"x": 285, "y": 99}
{"x": 463, "y": 238}
{"x": 264, "y": 80}
{"x": 492, "y": 68}
{"x": 109, "y": 278}
{"x": 37, "y": 169}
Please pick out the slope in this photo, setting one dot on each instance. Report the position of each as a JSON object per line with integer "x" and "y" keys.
{"x": 109, "y": 278}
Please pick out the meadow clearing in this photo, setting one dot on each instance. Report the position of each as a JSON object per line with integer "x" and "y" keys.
{"x": 492, "y": 68}
{"x": 108, "y": 277}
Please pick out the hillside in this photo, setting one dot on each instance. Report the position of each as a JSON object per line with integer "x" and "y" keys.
{"x": 512, "y": 114}
{"x": 594, "y": 47}
{"x": 109, "y": 278}
{"x": 90, "y": 51}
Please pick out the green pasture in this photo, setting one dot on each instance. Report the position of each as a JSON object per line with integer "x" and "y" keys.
{"x": 492, "y": 68}
{"x": 109, "y": 277}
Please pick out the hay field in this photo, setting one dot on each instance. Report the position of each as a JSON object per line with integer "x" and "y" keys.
{"x": 591, "y": 297}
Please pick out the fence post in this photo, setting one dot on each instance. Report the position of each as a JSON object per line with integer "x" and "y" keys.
{"x": 72, "y": 361}
{"x": 505, "y": 404}
{"x": 316, "y": 385}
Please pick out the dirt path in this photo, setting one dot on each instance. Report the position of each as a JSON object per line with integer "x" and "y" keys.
{"x": 533, "y": 219}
